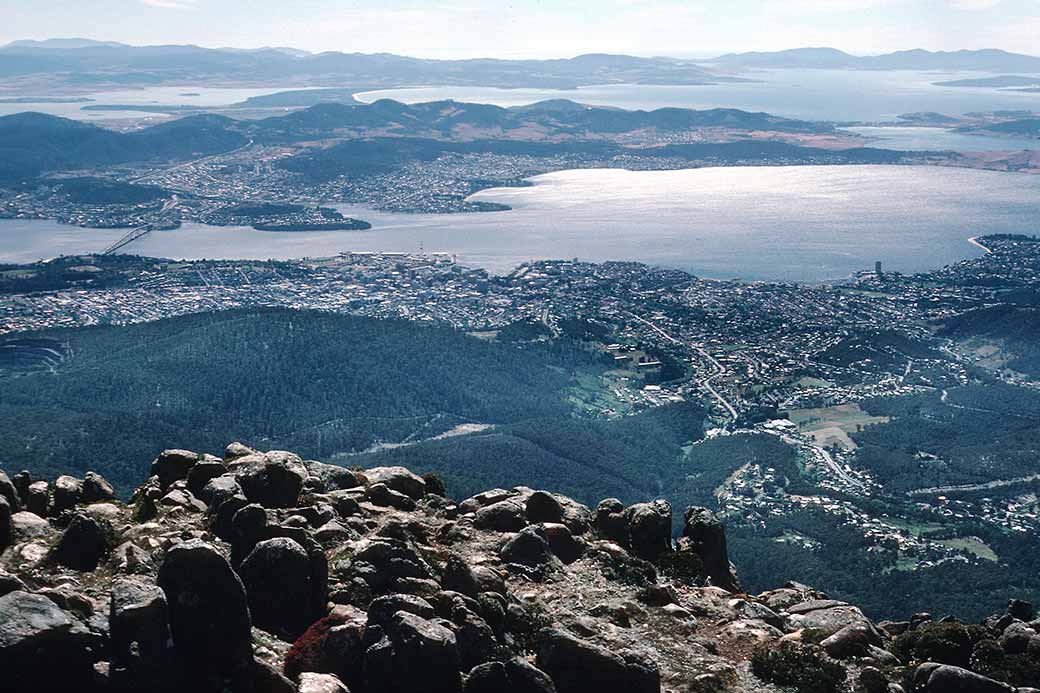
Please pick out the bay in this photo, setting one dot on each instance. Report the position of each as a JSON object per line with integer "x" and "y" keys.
{"x": 867, "y": 96}
{"x": 796, "y": 223}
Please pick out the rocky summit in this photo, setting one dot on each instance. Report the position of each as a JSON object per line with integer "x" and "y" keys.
{"x": 261, "y": 571}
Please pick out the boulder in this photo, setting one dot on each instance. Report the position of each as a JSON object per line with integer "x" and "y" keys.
{"x": 209, "y": 616}
{"x": 37, "y": 498}
{"x": 42, "y": 648}
{"x": 219, "y": 489}
{"x": 383, "y": 495}
{"x": 9, "y": 492}
{"x": 1021, "y": 610}
{"x": 6, "y": 531}
{"x": 311, "y": 682}
{"x": 139, "y": 633}
{"x": 96, "y": 489}
{"x": 11, "y": 583}
{"x": 579, "y": 666}
{"x": 398, "y": 479}
{"x": 1016, "y": 638}
{"x": 504, "y": 516}
{"x": 611, "y": 521}
{"x": 703, "y": 534}
{"x": 562, "y": 542}
{"x": 201, "y": 473}
{"x": 543, "y": 507}
{"x": 27, "y": 525}
{"x": 514, "y": 675}
{"x": 649, "y": 529}
{"x": 280, "y": 586}
{"x": 851, "y": 641}
{"x": 826, "y": 615}
{"x": 528, "y": 548}
{"x": 381, "y": 610}
{"x": 332, "y": 477}
{"x": 416, "y": 655}
{"x": 275, "y": 482}
{"x": 235, "y": 450}
{"x": 67, "y": 492}
{"x": 82, "y": 545}
{"x": 173, "y": 465}
{"x": 931, "y": 677}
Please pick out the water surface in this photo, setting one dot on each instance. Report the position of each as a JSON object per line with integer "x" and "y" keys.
{"x": 832, "y": 95}
{"x": 200, "y": 97}
{"x": 797, "y": 223}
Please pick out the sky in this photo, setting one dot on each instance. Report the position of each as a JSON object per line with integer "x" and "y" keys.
{"x": 537, "y": 28}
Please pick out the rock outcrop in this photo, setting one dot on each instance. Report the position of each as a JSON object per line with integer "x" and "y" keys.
{"x": 261, "y": 571}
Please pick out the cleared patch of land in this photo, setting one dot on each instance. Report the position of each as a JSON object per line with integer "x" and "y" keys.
{"x": 831, "y": 425}
{"x": 973, "y": 545}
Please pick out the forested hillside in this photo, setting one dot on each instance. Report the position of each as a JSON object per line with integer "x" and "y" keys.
{"x": 315, "y": 382}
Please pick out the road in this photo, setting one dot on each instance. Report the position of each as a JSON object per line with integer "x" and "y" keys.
{"x": 1000, "y": 483}
{"x": 706, "y": 382}
{"x": 825, "y": 457}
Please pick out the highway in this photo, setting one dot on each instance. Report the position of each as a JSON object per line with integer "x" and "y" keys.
{"x": 825, "y": 457}
{"x": 706, "y": 382}
{"x": 141, "y": 231}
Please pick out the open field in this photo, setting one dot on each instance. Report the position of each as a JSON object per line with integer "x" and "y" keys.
{"x": 831, "y": 425}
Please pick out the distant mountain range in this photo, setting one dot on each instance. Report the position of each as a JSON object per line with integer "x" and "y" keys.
{"x": 988, "y": 60}
{"x": 81, "y": 62}
{"x": 33, "y": 143}
{"x": 78, "y": 62}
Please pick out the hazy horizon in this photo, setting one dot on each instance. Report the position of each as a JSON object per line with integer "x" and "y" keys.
{"x": 540, "y": 29}
{"x": 562, "y": 56}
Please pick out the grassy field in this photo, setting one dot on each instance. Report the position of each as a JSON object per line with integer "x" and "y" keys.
{"x": 972, "y": 545}
{"x": 831, "y": 425}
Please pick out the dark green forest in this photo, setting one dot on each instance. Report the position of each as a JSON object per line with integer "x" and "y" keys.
{"x": 310, "y": 382}
{"x": 981, "y": 432}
